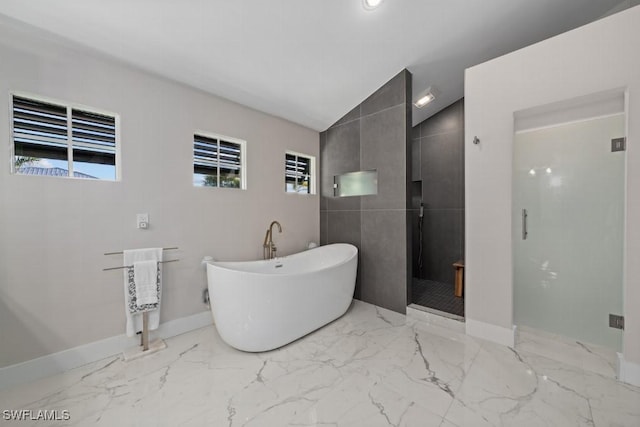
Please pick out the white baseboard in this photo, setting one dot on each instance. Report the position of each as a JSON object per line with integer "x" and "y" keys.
{"x": 65, "y": 360}
{"x": 490, "y": 332}
{"x": 628, "y": 372}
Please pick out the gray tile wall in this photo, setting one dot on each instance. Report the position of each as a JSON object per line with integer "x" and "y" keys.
{"x": 438, "y": 149}
{"x": 373, "y": 135}
{"x": 384, "y": 149}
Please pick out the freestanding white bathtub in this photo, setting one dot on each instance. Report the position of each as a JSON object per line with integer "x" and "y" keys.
{"x": 262, "y": 305}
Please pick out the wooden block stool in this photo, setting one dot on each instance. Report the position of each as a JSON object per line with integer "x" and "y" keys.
{"x": 459, "y": 285}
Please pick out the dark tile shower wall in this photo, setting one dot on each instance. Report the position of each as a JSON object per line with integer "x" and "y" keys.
{"x": 374, "y": 135}
{"x": 438, "y": 159}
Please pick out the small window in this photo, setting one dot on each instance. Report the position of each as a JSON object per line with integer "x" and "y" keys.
{"x": 218, "y": 161}
{"x": 54, "y": 139}
{"x": 359, "y": 183}
{"x": 298, "y": 174}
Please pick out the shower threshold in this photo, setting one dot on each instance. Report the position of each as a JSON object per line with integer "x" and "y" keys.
{"x": 438, "y": 296}
{"x": 436, "y": 312}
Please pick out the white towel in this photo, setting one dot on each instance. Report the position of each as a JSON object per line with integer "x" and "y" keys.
{"x": 145, "y": 277}
{"x": 134, "y": 321}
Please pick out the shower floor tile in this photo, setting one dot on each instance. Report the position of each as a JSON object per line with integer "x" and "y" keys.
{"x": 436, "y": 295}
{"x": 372, "y": 367}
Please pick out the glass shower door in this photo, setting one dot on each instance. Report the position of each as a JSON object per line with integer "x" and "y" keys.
{"x": 568, "y": 212}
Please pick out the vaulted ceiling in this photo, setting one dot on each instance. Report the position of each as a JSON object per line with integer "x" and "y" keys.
{"x": 309, "y": 61}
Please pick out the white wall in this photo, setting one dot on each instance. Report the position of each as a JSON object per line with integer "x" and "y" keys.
{"x": 53, "y": 232}
{"x": 597, "y": 57}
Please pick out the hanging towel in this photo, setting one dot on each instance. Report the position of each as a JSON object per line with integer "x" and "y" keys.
{"x": 132, "y": 303}
{"x": 145, "y": 279}
{"x": 133, "y": 311}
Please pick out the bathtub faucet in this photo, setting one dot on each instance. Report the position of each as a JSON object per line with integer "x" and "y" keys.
{"x": 268, "y": 247}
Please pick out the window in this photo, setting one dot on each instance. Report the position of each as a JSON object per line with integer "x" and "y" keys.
{"x": 54, "y": 139}
{"x": 359, "y": 183}
{"x": 298, "y": 173}
{"x": 218, "y": 161}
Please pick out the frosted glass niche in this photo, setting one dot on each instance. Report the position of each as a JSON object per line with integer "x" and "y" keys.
{"x": 360, "y": 183}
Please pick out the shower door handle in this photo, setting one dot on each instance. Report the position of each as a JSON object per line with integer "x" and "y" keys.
{"x": 524, "y": 224}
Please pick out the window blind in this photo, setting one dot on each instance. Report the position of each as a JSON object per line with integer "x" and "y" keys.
{"x": 94, "y": 137}
{"x": 39, "y": 129}
{"x": 219, "y": 160}
{"x": 298, "y": 172}
{"x": 46, "y": 130}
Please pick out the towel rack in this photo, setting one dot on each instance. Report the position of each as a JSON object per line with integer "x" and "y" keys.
{"x": 144, "y": 338}
{"x": 121, "y": 252}
{"x": 131, "y": 266}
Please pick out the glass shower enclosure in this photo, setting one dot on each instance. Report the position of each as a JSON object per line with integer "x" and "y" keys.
{"x": 568, "y": 228}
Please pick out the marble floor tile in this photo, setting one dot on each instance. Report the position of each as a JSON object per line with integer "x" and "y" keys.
{"x": 372, "y": 367}
{"x": 589, "y": 357}
{"x": 519, "y": 388}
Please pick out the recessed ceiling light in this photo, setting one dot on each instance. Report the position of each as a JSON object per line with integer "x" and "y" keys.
{"x": 371, "y": 4}
{"x": 424, "y": 100}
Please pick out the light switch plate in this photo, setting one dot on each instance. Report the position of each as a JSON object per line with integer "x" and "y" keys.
{"x": 618, "y": 144}
{"x": 616, "y": 321}
{"x": 142, "y": 220}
